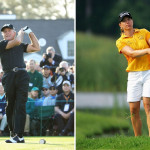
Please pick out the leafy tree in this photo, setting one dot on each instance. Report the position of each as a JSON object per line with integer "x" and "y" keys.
{"x": 103, "y": 18}
{"x": 81, "y": 15}
{"x": 38, "y": 9}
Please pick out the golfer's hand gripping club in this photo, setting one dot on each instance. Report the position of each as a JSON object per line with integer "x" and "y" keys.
{"x": 27, "y": 30}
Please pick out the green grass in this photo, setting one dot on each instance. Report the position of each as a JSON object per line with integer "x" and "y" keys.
{"x": 114, "y": 143}
{"x": 96, "y": 129}
{"x": 89, "y": 124}
{"x": 99, "y": 65}
{"x": 32, "y": 143}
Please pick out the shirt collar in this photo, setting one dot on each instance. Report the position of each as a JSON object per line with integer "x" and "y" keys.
{"x": 135, "y": 31}
{"x": 1, "y": 97}
{"x": 53, "y": 97}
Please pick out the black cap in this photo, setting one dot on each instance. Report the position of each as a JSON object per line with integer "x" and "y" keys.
{"x": 124, "y": 14}
{"x": 53, "y": 85}
{"x": 46, "y": 66}
{"x": 10, "y": 26}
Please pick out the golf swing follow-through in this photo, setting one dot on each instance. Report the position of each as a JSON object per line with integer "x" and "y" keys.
{"x": 135, "y": 45}
{"x": 16, "y": 79}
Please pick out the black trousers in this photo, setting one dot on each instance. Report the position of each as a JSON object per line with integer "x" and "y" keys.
{"x": 16, "y": 86}
{"x": 64, "y": 124}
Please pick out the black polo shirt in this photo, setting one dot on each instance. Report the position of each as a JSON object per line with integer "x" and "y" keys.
{"x": 12, "y": 57}
{"x": 61, "y": 102}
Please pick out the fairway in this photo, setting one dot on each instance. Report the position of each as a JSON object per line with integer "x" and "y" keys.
{"x": 32, "y": 143}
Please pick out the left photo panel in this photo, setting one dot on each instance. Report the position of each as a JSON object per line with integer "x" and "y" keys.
{"x": 37, "y": 74}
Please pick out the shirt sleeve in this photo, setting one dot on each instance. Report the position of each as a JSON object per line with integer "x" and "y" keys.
{"x": 24, "y": 45}
{"x": 3, "y": 45}
{"x": 39, "y": 102}
{"x": 147, "y": 35}
{"x": 120, "y": 45}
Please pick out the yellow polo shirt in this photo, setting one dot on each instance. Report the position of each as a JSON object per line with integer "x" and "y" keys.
{"x": 137, "y": 41}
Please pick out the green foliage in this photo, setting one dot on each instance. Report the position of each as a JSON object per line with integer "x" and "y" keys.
{"x": 38, "y": 9}
{"x": 99, "y": 65}
{"x": 102, "y": 17}
{"x": 89, "y": 124}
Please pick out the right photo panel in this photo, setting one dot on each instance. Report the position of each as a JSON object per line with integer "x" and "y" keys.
{"x": 112, "y": 74}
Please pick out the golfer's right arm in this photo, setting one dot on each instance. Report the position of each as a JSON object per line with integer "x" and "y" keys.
{"x": 34, "y": 46}
{"x": 127, "y": 50}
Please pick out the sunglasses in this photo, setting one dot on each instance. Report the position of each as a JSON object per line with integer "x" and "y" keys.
{"x": 44, "y": 89}
{"x": 52, "y": 88}
{"x": 62, "y": 69}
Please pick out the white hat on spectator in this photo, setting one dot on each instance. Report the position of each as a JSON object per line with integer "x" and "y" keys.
{"x": 66, "y": 82}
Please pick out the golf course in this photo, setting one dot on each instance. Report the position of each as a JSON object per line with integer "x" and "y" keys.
{"x": 109, "y": 129}
{"x": 104, "y": 128}
{"x": 32, "y": 143}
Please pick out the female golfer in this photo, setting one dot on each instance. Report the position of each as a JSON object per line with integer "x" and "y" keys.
{"x": 134, "y": 44}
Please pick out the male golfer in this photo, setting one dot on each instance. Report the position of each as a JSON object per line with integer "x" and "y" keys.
{"x": 16, "y": 79}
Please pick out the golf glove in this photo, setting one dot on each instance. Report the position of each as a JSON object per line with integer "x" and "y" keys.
{"x": 27, "y": 30}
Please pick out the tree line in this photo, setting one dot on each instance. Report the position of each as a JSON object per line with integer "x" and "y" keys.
{"x": 38, "y": 9}
{"x": 101, "y": 16}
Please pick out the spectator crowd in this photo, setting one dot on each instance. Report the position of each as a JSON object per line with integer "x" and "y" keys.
{"x": 50, "y": 104}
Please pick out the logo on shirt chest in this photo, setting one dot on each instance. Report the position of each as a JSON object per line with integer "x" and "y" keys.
{"x": 129, "y": 42}
{"x": 141, "y": 37}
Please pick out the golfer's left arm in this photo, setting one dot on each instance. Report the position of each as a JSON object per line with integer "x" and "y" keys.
{"x": 34, "y": 46}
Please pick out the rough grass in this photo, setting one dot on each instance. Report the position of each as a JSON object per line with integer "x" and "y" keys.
{"x": 32, "y": 143}
{"x": 92, "y": 125}
{"x": 115, "y": 143}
